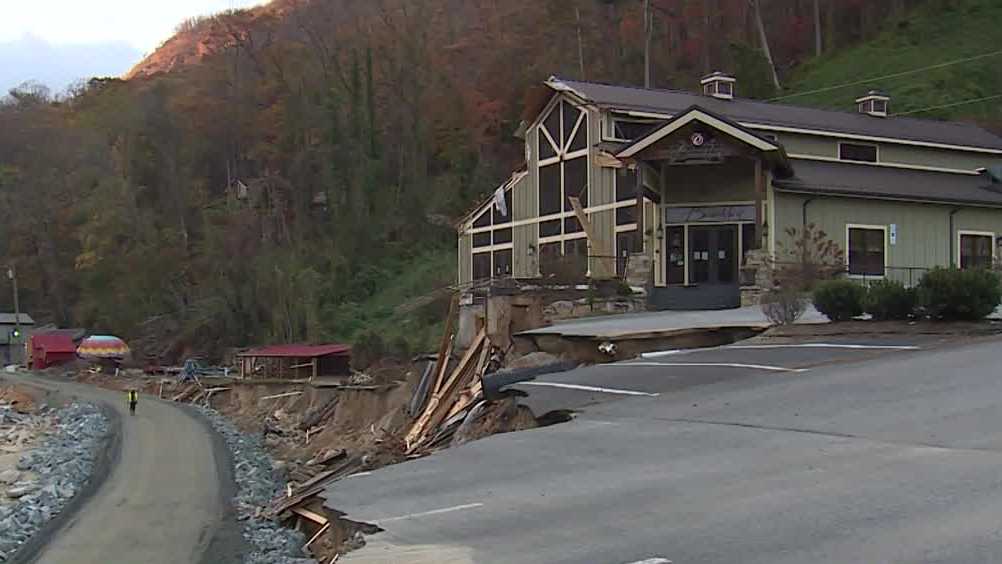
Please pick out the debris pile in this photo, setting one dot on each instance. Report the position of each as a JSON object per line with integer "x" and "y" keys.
{"x": 48, "y": 476}
{"x": 258, "y": 482}
{"x": 444, "y": 400}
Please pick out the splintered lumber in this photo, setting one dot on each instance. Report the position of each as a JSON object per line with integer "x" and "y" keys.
{"x": 285, "y": 395}
{"x": 312, "y": 516}
{"x": 314, "y": 538}
{"x": 474, "y": 391}
{"x": 442, "y": 401}
{"x": 445, "y": 346}
{"x": 189, "y": 391}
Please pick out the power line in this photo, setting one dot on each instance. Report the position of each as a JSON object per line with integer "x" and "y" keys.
{"x": 951, "y": 105}
{"x": 889, "y": 76}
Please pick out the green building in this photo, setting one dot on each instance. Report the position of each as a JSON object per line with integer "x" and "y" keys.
{"x": 699, "y": 183}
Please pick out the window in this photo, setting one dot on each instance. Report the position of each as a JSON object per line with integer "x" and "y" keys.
{"x": 626, "y": 184}
{"x": 626, "y": 215}
{"x": 502, "y": 263}
{"x": 502, "y": 236}
{"x": 565, "y": 174}
{"x": 482, "y": 239}
{"x": 626, "y": 242}
{"x": 481, "y": 266}
{"x": 976, "y": 250}
{"x": 549, "y": 189}
{"x": 630, "y": 130}
{"x": 857, "y": 152}
{"x": 867, "y": 251}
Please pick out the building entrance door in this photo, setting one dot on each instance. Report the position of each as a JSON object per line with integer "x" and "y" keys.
{"x": 713, "y": 254}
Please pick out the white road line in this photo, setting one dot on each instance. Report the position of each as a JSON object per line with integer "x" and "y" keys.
{"x": 829, "y": 346}
{"x": 359, "y": 475}
{"x": 673, "y": 352}
{"x": 712, "y": 364}
{"x": 426, "y": 513}
{"x": 589, "y": 388}
{"x": 653, "y": 561}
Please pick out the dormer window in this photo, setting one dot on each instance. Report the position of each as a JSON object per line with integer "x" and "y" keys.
{"x": 719, "y": 85}
{"x": 874, "y": 103}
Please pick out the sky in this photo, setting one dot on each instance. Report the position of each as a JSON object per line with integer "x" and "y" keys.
{"x": 58, "y": 42}
{"x": 144, "y": 24}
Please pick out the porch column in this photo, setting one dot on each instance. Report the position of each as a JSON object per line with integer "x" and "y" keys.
{"x": 639, "y": 192}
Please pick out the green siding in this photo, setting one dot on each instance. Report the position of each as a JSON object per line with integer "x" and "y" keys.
{"x": 904, "y": 154}
{"x": 809, "y": 145}
{"x": 923, "y": 230}
{"x": 730, "y": 182}
{"x": 524, "y": 202}
{"x": 465, "y": 258}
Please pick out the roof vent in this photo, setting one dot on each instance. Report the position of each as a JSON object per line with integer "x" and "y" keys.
{"x": 719, "y": 85}
{"x": 874, "y": 103}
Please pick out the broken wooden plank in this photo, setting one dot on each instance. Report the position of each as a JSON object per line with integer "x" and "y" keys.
{"x": 446, "y": 343}
{"x": 314, "y": 538}
{"x": 441, "y": 403}
{"x": 312, "y": 516}
{"x": 421, "y": 426}
{"x": 598, "y": 245}
{"x": 277, "y": 396}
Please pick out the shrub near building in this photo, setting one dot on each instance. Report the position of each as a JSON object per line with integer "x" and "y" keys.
{"x": 952, "y": 294}
{"x": 839, "y": 300}
{"x": 889, "y": 299}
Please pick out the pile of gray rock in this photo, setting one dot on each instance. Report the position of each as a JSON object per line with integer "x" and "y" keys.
{"x": 49, "y": 475}
{"x": 258, "y": 483}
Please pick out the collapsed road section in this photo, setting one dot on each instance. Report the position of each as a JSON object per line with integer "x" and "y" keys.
{"x": 49, "y": 460}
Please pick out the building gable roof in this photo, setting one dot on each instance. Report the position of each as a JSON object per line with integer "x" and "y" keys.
{"x": 697, "y": 114}
{"x": 9, "y": 319}
{"x": 766, "y": 114}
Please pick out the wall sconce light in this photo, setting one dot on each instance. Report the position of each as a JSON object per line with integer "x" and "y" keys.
{"x": 531, "y": 251}
{"x": 660, "y": 233}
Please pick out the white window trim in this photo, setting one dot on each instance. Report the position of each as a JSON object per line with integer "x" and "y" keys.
{"x": 850, "y": 226}
{"x": 961, "y": 232}
{"x": 874, "y": 145}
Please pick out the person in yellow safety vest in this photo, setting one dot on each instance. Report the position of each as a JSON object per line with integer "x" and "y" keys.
{"x": 133, "y": 400}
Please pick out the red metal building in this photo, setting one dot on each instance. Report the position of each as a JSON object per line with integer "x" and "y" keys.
{"x": 50, "y": 349}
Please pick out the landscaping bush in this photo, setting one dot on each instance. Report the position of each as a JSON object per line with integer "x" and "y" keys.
{"x": 783, "y": 307}
{"x": 952, "y": 294}
{"x": 888, "y": 299}
{"x": 839, "y": 300}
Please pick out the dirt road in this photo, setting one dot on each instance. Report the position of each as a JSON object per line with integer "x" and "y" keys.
{"x": 165, "y": 498}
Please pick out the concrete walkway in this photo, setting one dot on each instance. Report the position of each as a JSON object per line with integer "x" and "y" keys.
{"x": 666, "y": 321}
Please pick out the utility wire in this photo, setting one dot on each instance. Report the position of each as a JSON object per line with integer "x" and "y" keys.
{"x": 951, "y": 105}
{"x": 889, "y": 76}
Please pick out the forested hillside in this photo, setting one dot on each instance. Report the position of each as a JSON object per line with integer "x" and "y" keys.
{"x": 292, "y": 172}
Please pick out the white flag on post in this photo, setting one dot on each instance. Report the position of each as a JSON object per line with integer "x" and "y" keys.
{"x": 500, "y": 202}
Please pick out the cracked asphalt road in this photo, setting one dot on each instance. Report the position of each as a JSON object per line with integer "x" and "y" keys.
{"x": 866, "y": 455}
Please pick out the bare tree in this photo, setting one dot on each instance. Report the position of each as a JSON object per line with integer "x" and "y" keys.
{"x": 765, "y": 42}
{"x": 648, "y": 37}
{"x": 817, "y": 27}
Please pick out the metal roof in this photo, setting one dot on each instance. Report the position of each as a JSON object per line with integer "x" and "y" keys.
{"x": 757, "y": 112}
{"x": 822, "y": 177}
{"x": 298, "y": 351}
{"x": 8, "y": 319}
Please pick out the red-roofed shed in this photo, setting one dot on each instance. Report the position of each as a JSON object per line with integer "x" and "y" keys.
{"x": 50, "y": 349}
{"x": 303, "y": 361}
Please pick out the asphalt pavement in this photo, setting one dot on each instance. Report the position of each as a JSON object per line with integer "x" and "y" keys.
{"x": 164, "y": 502}
{"x": 875, "y": 452}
